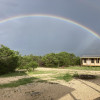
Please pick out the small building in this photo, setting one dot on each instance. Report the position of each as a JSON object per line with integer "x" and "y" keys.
{"x": 90, "y": 60}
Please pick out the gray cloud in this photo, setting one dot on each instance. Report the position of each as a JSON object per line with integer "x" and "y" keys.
{"x": 42, "y": 36}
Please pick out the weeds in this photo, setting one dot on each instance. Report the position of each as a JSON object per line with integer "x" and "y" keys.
{"x": 67, "y": 77}
{"x": 18, "y": 83}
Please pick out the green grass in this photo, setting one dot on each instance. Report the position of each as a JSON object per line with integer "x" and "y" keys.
{"x": 67, "y": 77}
{"x": 18, "y": 83}
{"x": 16, "y": 73}
{"x": 75, "y": 75}
{"x": 21, "y": 73}
{"x": 84, "y": 68}
{"x": 40, "y": 72}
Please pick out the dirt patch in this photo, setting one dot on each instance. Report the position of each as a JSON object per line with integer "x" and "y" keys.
{"x": 36, "y": 91}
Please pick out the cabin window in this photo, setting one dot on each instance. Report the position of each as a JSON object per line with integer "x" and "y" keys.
{"x": 97, "y": 60}
{"x": 84, "y": 60}
{"x": 92, "y": 60}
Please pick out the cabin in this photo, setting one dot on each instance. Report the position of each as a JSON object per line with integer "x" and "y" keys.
{"x": 90, "y": 60}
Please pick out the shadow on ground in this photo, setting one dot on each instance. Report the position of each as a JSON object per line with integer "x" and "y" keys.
{"x": 97, "y": 98}
{"x": 95, "y": 81}
{"x": 38, "y": 90}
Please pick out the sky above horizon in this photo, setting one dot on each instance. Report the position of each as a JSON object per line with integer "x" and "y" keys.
{"x": 42, "y": 35}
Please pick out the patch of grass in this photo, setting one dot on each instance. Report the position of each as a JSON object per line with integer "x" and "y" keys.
{"x": 67, "y": 77}
{"x": 18, "y": 83}
{"x": 84, "y": 68}
{"x": 39, "y": 72}
{"x": 75, "y": 75}
{"x": 16, "y": 73}
{"x": 21, "y": 73}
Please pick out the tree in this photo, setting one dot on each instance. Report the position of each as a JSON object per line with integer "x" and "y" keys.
{"x": 25, "y": 60}
{"x": 60, "y": 59}
{"x": 31, "y": 66}
{"x": 50, "y": 60}
{"x": 9, "y": 60}
{"x": 63, "y": 58}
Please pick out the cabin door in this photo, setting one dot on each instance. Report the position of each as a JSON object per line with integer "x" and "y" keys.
{"x": 88, "y": 62}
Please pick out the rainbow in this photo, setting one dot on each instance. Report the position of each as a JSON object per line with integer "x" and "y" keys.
{"x": 54, "y": 17}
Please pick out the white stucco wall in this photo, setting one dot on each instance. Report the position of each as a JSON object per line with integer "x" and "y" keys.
{"x": 88, "y": 62}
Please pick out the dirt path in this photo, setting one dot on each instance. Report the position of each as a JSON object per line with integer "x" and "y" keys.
{"x": 56, "y": 90}
{"x": 84, "y": 90}
{"x": 61, "y": 70}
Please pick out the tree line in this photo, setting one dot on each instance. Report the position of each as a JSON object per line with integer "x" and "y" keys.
{"x": 10, "y": 60}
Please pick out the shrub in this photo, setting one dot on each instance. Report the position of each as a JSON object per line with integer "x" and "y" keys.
{"x": 9, "y": 60}
{"x": 31, "y": 66}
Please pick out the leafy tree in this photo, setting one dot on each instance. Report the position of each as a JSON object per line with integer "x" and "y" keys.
{"x": 77, "y": 61}
{"x": 31, "y": 66}
{"x": 60, "y": 59}
{"x": 63, "y": 58}
{"x": 25, "y": 60}
{"x": 50, "y": 60}
{"x": 9, "y": 60}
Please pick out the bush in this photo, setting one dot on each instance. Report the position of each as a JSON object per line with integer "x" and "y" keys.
{"x": 31, "y": 66}
{"x": 9, "y": 60}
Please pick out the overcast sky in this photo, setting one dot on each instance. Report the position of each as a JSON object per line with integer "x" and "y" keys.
{"x": 40, "y": 35}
